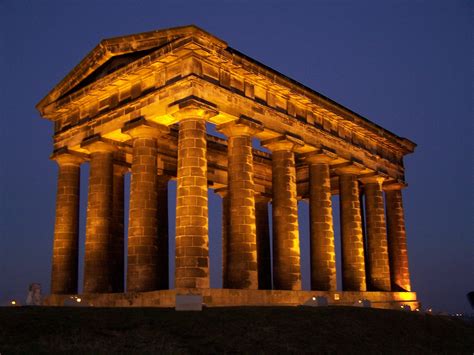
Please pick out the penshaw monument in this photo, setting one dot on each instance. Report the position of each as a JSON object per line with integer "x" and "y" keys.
{"x": 140, "y": 105}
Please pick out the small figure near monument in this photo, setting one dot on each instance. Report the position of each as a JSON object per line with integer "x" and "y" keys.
{"x": 34, "y": 295}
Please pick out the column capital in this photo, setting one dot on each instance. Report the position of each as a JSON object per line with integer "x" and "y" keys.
{"x": 192, "y": 107}
{"x": 321, "y": 156}
{"x": 261, "y": 197}
{"x": 222, "y": 191}
{"x": 98, "y": 144}
{"x": 65, "y": 157}
{"x": 351, "y": 168}
{"x": 372, "y": 179}
{"x": 243, "y": 126}
{"x": 284, "y": 142}
{"x": 143, "y": 128}
{"x": 395, "y": 185}
{"x": 120, "y": 168}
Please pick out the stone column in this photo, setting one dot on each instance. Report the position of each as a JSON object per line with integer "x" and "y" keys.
{"x": 66, "y": 228}
{"x": 378, "y": 278}
{"x": 397, "y": 243}
{"x": 264, "y": 261}
{"x": 143, "y": 245}
{"x": 117, "y": 252}
{"x": 353, "y": 264}
{"x": 98, "y": 271}
{"x": 286, "y": 247}
{"x": 192, "y": 240}
{"x": 323, "y": 255}
{"x": 163, "y": 236}
{"x": 242, "y": 244}
{"x": 225, "y": 233}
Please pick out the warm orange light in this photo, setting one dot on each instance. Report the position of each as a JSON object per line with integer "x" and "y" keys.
{"x": 13, "y": 302}
{"x": 336, "y": 296}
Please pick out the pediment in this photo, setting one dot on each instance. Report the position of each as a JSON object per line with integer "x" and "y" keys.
{"x": 113, "y": 53}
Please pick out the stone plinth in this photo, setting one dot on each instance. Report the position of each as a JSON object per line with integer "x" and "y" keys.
{"x": 233, "y": 297}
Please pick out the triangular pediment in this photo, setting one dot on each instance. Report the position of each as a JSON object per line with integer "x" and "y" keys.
{"x": 113, "y": 53}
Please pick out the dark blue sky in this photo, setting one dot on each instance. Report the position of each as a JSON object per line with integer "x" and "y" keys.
{"x": 405, "y": 65}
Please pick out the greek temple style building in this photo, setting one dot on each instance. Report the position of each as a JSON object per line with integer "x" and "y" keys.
{"x": 140, "y": 105}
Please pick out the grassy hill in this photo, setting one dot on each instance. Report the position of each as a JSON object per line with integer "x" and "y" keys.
{"x": 220, "y": 330}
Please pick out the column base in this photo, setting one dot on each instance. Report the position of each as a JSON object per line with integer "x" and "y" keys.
{"x": 215, "y": 297}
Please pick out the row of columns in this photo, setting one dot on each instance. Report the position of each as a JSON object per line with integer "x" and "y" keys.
{"x": 246, "y": 240}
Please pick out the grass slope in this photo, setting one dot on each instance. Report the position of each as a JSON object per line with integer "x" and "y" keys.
{"x": 222, "y": 330}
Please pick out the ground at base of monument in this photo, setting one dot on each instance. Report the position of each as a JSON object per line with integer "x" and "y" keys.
{"x": 236, "y": 329}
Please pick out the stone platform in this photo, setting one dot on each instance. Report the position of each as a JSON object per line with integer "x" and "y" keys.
{"x": 214, "y": 297}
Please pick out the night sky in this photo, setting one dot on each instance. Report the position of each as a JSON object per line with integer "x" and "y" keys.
{"x": 405, "y": 65}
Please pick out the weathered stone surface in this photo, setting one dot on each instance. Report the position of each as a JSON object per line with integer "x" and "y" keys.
{"x": 242, "y": 240}
{"x": 225, "y": 233}
{"x": 323, "y": 256}
{"x": 142, "y": 270}
{"x": 66, "y": 228}
{"x": 192, "y": 240}
{"x": 98, "y": 272}
{"x": 378, "y": 277}
{"x": 143, "y": 102}
{"x": 163, "y": 236}
{"x": 353, "y": 263}
{"x": 397, "y": 243}
{"x": 264, "y": 261}
{"x": 117, "y": 244}
{"x": 286, "y": 246}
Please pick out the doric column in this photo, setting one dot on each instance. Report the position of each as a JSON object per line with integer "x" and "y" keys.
{"x": 66, "y": 228}
{"x": 264, "y": 261}
{"x": 323, "y": 256}
{"x": 397, "y": 243}
{"x": 353, "y": 264}
{"x": 163, "y": 237}
{"x": 225, "y": 233}
{"x": 98, "y": 271}
{"x": 242, "y": 243}
{"x": 378, "y": 278}
{"x": 117, "y": 244}
{"x": 143, "y": 245}
{"x": 192, "y": 240}
{"x": 286, "y": 247}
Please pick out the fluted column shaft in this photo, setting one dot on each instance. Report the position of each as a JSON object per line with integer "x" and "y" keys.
{"x": 353, "y": 264}
{"x": 263, "y": 244}
{"x": 323, "y": 256}
{"x": 66, "y": 228}
{"x": 192, "y": 243}
{"x": 98, "y": 272}
{"x": 163, "y": 237}
{"x": 378, "y": 278}
{"x": 397, "y": 243}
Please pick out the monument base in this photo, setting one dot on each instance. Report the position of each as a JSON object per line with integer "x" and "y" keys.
{"x": 215, "y": 297}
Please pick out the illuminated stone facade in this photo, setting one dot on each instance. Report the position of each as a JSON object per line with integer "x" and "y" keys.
{"x": 140, "y": 105}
